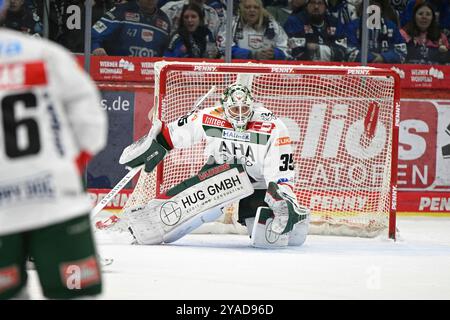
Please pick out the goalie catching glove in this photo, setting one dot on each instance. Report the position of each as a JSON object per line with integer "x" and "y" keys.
{"x": 146, "y": 150}
{"x": 283, "y": 202}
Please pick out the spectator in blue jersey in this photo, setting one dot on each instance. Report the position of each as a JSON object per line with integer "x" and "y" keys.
{"x": 193, "y": 39}
{"x": 136, "y": 28}
{"x": 425, "y": 42}
{"x": 21, "y": 18}
{"x": 314, "y": 34}
{"x": 385, "y": 43}
{"x": 256, "y": 34}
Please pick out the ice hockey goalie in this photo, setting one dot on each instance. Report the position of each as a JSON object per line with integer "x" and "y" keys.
{"x": 242, "y": 134}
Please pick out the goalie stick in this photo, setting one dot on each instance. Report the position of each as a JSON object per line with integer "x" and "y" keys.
{"x": 127, "y": 178}
{"x": 122, "y": 183}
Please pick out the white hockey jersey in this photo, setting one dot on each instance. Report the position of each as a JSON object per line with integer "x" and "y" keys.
{"x": 49, "y": 113}
{"x": 265, "y": 147}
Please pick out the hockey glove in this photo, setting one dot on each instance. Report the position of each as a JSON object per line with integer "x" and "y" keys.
{"x": 283, "y": 202}
{"x": 145, "y": 151}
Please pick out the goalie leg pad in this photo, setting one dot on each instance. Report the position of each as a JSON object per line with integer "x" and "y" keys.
{"x": 298, "y": 234}
{"x": 188, "y": 205}
{"x": 144, "y": 225}
{"x": 187, "y": 227}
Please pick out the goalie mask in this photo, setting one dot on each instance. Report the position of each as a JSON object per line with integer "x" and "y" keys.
{"x": 237, "y": 104}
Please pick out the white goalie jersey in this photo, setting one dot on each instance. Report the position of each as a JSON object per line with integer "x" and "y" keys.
{"x": 49, "y": 114}
{"x": 264, "y": 148}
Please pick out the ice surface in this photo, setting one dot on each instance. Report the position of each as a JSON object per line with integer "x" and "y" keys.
{"x": 210, "y": 267}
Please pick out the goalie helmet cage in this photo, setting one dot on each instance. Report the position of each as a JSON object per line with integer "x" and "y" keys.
{"x": 343, "y": 124}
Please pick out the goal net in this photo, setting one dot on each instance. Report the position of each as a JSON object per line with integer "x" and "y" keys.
{"x": 343, "y": 124}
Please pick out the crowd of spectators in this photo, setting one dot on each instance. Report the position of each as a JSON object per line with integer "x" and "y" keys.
{"x": 399, "y": 31}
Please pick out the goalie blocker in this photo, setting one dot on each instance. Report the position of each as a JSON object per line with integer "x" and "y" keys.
{"x": 147, "y": 150}
{"x": 188, "y": 205}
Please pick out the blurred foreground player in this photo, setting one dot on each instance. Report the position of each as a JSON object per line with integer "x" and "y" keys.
{"x": 250, "y": 160}
{"x": 51, "y": 123}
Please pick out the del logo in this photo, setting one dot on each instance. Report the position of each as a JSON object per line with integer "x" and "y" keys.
{"x": 265, "y": 127}
{"x": 147, "y": 35}
{"x": 233, "y": 135}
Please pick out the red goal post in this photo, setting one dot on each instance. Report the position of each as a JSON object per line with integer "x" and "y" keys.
{"x": 343, "y": 124}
